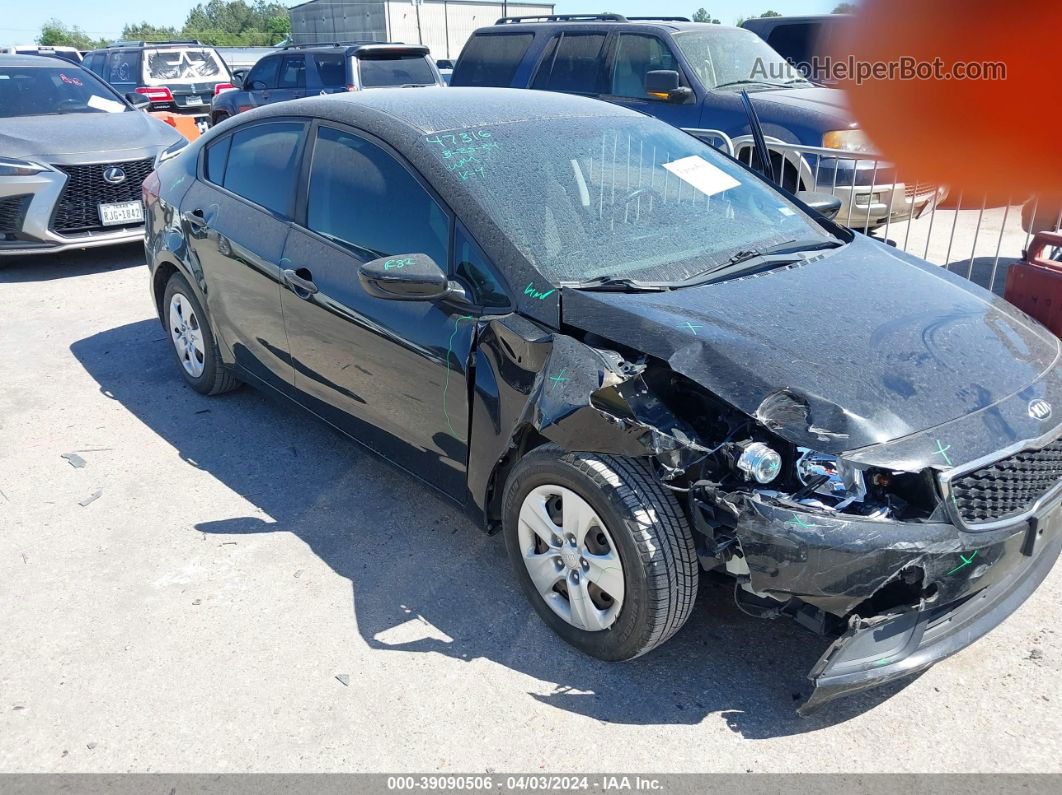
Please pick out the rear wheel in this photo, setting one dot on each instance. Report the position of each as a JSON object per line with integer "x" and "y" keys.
{"x": 601, "y": 549}
{"x": 193, "y": 340}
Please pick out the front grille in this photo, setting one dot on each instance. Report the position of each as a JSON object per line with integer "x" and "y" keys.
{"x": 13, "y": 213}
{"x": 912, "y": 189}
{"x": 1008, "y": 487}
{"x": 85, "y": 189}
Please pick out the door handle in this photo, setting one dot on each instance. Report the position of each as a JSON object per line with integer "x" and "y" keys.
{"x": 300, "y": 282}
{"x": 196, "y": 218}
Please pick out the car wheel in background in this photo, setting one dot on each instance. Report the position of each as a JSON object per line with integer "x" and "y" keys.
{"x": 601, "y": 549}
{"x": 193, "y": 341}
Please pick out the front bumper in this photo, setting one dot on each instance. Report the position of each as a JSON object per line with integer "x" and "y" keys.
{"x": 969, "y": 582}
{"x": 872, "y": 206}
{"x": 33, "y": 231}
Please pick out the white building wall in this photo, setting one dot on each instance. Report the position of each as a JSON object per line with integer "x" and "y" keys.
{"x": 445, "y": 25}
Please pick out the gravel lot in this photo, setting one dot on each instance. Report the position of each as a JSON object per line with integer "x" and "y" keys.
{"x": 250, "y": 591}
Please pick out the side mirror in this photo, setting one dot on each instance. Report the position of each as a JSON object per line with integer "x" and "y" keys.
{"x": 664, "y": 84}
{"x": 138, "y": 101}
{"x": 823, "y": 203}
{"x": 256, "y": 85}
{"x": 239, "y": 76}
{"x": 406, "y": 277}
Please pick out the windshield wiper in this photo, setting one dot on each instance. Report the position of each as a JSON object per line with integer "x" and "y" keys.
{"x": 616, "y": 284}
{"x": 748, "y": 83}
{"x": 749, "y": 261}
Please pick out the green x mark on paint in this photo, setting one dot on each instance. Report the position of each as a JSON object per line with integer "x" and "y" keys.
{"x": 943, "y": 451}
{"x": 692, "y": 327}
{"x": 558, "y": 379}
{"x": 801, "y": 523}
{"x": 964, "y": 563}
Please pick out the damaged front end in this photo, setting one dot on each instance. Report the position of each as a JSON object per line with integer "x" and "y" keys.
{"x": 879, "y": 557}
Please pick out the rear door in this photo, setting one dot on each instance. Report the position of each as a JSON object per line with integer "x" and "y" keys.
{"x": 391, "y": 373}
{"x": 574, "y": 63}
{"x": 291, "y": 79}
{"x": 237, "y": 217}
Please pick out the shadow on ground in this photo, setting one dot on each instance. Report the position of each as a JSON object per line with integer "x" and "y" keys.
{"x": 426, "y": 579}
{"x": 45, "y": 267}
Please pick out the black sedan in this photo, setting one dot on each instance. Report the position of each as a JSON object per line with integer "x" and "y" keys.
{"x": 632, "y": 357}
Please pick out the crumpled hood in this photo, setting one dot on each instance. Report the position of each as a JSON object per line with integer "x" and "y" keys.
{"x": 72, "y": 134}
{"x": 860, "y": 347}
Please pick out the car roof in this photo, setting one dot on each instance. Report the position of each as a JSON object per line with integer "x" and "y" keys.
{"x": 797, "y": 19}
{"x": 527, "y": 27}
{"x": 427, "y": 110}
{"x": 34, "y": 60}
{"x": 354, "y": 47}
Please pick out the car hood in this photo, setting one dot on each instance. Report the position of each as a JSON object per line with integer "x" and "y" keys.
{"x": 829, "y": 102}
{"x": 110, "y": 135}
{"x": 859, "y": 347}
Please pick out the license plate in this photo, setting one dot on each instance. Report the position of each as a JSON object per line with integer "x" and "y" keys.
{"x": 122, "y": 213}
{"x": 194, "y": 100}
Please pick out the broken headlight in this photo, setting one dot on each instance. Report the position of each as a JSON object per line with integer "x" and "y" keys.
{"x": 759, "y": 462}
{"x": 830, "y": 476}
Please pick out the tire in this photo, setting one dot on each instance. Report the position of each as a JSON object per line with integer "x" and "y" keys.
{"x": 643, "y": 525}
{"x": 192, "y": 340}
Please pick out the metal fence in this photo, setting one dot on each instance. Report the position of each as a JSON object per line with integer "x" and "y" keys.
{"x": 974, "y": 236}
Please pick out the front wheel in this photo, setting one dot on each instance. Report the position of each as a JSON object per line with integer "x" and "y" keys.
{"x": 601, "y": 549}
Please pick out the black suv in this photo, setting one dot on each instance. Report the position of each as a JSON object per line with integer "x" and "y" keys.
{"x": 304, "y": 70}
{"x": 177, "y": 76}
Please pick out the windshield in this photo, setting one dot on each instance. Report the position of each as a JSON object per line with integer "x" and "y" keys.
{"x": 384, "y": 69}
{"x": 37, "y": 91}
{"x": 731, "y": 57}
{"x": 184, "y": 64}
{"x": 590, "y": 198}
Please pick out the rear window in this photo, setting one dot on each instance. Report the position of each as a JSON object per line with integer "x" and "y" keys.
{"x": 183, "y": 64}
{"x": 332, "y": 69}
{"x": 395, "y": 69}
{"x": 491, "y": 59}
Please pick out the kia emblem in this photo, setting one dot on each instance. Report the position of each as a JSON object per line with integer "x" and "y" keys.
{"x": 1039, "y": 409}
{"x": 114, "y": 175}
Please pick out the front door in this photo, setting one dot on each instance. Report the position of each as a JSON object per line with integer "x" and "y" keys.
{"x": 391, "y": 373}
{"x": 237, "y": 217}
{"x": 633, "y": 56}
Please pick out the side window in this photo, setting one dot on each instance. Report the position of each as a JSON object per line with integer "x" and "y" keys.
{"x": 94, "y": 62}
{"x": 491, "y": 59}
{"x": 361, "y": 196}
{"x": 473, "y": 268}
{"x": 331, "y": 69}
{"x": 265, "y": 71}
{"x": 575, "y": 64}
{"x": 636, "y": 56}
{"x": 292, "y": 72}
{"x": 217, "y": 155}
{"x": 262, "y": 164}
{"x": 793, "y": 41}
{"x": 123, "y": 66}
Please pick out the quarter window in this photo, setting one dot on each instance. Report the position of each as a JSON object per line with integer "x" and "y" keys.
{"x": 360, "y": 196}
{"x": 262, "y": 164}
{"x": 636, "y": 56}
{"x": 471, "y": 265}
{"x": 332, "y": 70}
{"x": 217, "y": 155}
{"x": 123, "y": 67}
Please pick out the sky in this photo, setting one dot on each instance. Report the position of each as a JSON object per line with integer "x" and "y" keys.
{"x": 21, "y": 20}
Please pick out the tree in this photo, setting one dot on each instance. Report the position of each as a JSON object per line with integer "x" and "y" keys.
{"x": 770, "y": 14}
{"x": 147, "y": 32}
{"x": 55, "y": 34}
{"x": 741, "y": 20}
{"x": 701, "y": 15}
{"x": 844, "y": 8}
{"x": 234, "y": 22}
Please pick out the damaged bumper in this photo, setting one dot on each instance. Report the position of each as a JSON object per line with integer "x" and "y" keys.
{"x": 967, "y": 584}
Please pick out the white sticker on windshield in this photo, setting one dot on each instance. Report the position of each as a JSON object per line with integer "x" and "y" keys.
{"x": 702, "y": 175}
{"x": 109, "y": 105}
{"x": 786, "y": 211}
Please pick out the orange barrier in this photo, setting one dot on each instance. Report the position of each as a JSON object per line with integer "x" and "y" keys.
{"x": 185, "y": 125}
